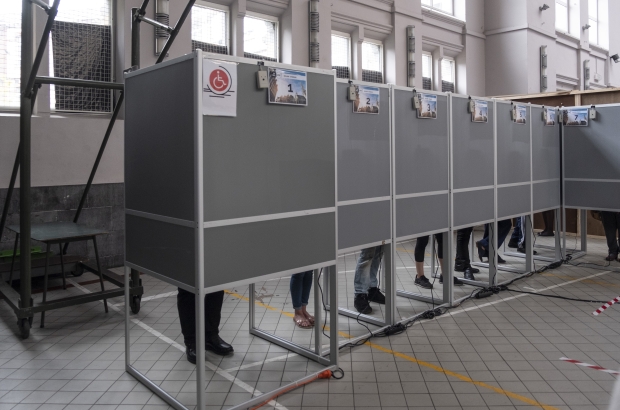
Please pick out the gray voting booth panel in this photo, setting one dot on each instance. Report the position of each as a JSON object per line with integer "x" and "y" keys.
{"x": 421, "y": 166}
{"x": 363, "y": 146}
{"x": 268, "y": 178}
{"x": 546, "y": 162}
{"x": 592, "y": 162}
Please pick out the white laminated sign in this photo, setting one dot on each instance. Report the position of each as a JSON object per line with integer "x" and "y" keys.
{"x": 219, "y": 88}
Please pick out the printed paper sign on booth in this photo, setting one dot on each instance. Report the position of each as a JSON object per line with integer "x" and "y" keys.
{"x": 219, "y": 92}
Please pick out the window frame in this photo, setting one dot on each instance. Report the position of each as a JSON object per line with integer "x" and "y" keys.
{"x": 566, "y": 4}
{"x": 596, "y": 21}
{"x": 349, "y": 46}
{"x": 219, "y": 7}
{"x": 430, "y": 56}
{"x": 272, "y": 19}
{"x": 381, "y": 53}
{"x": 438, "y": 10}
{"x": 453, "y": 65}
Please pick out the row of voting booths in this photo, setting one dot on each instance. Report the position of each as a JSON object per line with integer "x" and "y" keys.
{"x": 237, "y": 173}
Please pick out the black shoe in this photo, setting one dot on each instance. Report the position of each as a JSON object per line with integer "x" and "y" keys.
{"x": 361, "y": 304}
{"x": 457, "y": 281}
{"x": 500, "y": 260}
{"x": 375, "y": 295}
{"x": 190, "y": 352}
{"x": 513, "y": 243}
{"x": 423, "y": 282}
{"x": 461, "y": 266}
{"x": 218, "y": 346}
{"x": 482, "y": 253}
{"x": 469, "y": 274}
{"x": 611, "y": 257}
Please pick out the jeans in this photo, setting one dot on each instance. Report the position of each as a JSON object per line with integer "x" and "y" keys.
{"x": 422, "y": 242}
{"x": 462, "y": 244}
{"x": 301, "y": 283}
{"x": 366, "y": 269}
{"x": 611, "y": 224}
{"x": 516, "y": 233}
{"x": 186, "y": 303}
{"x": 503, "y": 228}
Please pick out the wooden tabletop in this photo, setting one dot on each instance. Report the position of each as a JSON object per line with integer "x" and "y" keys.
{"x": 54, "y": 231}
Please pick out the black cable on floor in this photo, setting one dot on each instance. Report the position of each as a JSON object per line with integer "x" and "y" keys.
{"x": 555, "y": 296}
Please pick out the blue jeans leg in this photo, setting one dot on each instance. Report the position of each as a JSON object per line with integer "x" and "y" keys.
{"x": 516, "y": 233}
{"x": 366, "y": 269}
{"x": 301, "y": 283}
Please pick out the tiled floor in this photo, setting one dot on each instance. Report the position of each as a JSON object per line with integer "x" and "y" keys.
{"x": 502, "y": 352}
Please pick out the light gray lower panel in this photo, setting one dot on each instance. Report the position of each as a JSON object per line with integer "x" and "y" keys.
{"x": 360, "y": 224}
{"x": 473, "y": 207}
{"x": 245, "y": 251}
{"x": 421, "y": 214}
{"x": 161, "y": 247}
{"x": 513, "y": 200}
{"x": 546, "y": 195}
{"x": 592, "y": 195}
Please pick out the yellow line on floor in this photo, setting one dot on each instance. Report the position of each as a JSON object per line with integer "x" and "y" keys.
{"x": 439, "y": 369}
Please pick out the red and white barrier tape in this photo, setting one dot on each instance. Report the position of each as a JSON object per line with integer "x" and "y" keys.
{"x": 590, "y": 366}
{"x": 605, "y": 306}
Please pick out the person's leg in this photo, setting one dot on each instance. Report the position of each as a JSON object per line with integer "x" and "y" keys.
{"x": 418, "y": 255}
{"x": 187, "y": 316}
{"x": 213, "y": 315}
{"x": 483, "y": 244}
{"x": 296, "y": 286}
{"x": 305, "y": 294}
{"x": 374, "y": 294}
{"x": 461, "y": 261}
{"x": 503, "y": 229}
{"x": 361, "y": 281}
{"x": 515, "y": 238}
{"x": 610, "y": 226}
{"x": 548, "y": 219}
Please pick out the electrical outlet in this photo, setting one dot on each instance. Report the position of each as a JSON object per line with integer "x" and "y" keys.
{"x": 261, "y": 79}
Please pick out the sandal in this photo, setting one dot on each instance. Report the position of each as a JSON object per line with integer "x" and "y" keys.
{"x": 302, "y": 323}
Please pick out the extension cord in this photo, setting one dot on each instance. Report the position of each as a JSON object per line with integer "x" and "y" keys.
{"x": 484, "y": 293}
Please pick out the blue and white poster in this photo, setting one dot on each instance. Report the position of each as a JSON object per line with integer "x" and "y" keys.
{"x": 480, "y": 112}
{"x": 428, "y": 106}
{"x": 575, "y": 117}
{"x": 519, "y": 114}
{"x": 366, "y": 100}
{"x": 550, "y": 117}
{"x": 288, "y": 87}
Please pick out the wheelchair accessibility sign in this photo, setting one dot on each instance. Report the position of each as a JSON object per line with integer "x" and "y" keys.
{"x": 219, "y": 88}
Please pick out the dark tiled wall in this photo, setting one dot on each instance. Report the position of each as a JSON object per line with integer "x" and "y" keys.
{"x": 104, "y": 209}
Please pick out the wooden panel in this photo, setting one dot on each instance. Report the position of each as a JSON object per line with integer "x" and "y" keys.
{"x": 609, "y": 97}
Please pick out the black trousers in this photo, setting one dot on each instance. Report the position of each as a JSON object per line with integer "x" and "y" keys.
{"x": 611, "y": 224}
{"x": 422, "y": 242}
{"x": 186, "y": 303}
{"x": 462, "y": 245}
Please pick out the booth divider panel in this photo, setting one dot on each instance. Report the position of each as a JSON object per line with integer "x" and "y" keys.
{"x": 161, "y": 247}
{"x": 473, "y": 207}
{"x": 360, "y": 224}
{"x": 592, "y": 195}
{"x": 421, "y": 214}
{"x": 246, "y": 251}
{"x": 546, "y": 195}
{"x": 513, "y": 200}
{"x": 545, "y": 148}
{"x": 159, "y": 141}
{"x": 513, "y": 147}
{"x": 472, "y": 148}
{"x": 363, "y": 148}
{"x": 594, "y": 151}
{"x": 271, "y": 158}
{"x": 421, "y": 147}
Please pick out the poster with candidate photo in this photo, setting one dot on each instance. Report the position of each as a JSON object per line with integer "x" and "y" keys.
{"x": 480, "y": 112}
{"x": 366, "y": 100}
{"x": 575, "y": 117}
{"x": 519, "y": 114}
{"x": 288, "y": 87}
{"x": 550, "y": 117}
{"x": 428, "y": 106}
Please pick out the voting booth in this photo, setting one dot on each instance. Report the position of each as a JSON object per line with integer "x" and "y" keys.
{"x": 230, "y": 178}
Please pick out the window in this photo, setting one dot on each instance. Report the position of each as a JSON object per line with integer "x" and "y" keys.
{"x": 447, "y": 75}
{"x": 593, "y": 21}
{"x": 561, "y": 15}
{"x": 81, "y": 47}
{"x": 372, "y": 62}
{"x": 444, "y": 6}
{"x": 10, "y": 53}
{"x": 209, "y": 29}
{"x": 260, "y": 37}
{"x": 427, "y": 71}
{"x": 341, "y": 55}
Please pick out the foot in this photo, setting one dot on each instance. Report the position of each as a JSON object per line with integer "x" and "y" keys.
{"x": 500, "y": 260}
{"x": 361, "y": 304}
{"x": 513, "y": 243}
{"x": 307, "y": 315}
{"x": 218, "y": 346}
{"x": 461, "y": 267}
{"x": 611, "y": 257}
{"x": 482, "y": 253}
{"x": 546, "y": 233}
{"x": 375, "y": 295}
{"x": 423, "y": 282}
{"x": 190, "y": 352}
{"x": 457, "y": 281}
{"x": 469, "y": 274}
{"x": 302, "y": 321}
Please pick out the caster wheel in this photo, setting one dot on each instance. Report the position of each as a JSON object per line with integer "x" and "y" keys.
{"x": 24, "y": 328}
{"x": 134, "y": 304}
{"x": 79, "y": 270}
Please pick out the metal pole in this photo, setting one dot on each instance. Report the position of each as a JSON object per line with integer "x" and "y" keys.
{"x": 79, "y": 83}
{"x": 42, "y": 46}
{"x": 318, "y": 342}
{"x": 174, "y": 32}
{"x": 333, "y": 315}
{"x": 117, "y": 109}
{"x": 135, "y": 37}
{"x": 25, "y": 114}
